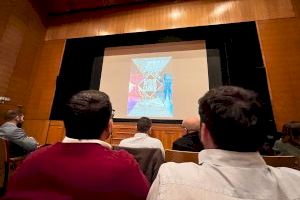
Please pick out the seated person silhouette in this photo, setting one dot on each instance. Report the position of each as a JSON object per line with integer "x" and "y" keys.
{"x": 232, "y": 129}
{"x": 142, "y": 138}
{"x": 190, "y": 140}
{"x": 83, "y": 166}
{"x": 19, "y": 143}
{"x": 289, "y": 144}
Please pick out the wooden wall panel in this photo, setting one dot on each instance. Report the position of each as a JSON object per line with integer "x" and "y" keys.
{"x": 21, "y": 35}
{"x": 167, "y": 133}
{"x": 37, "y": 129}
{"x": 43, "y": 82}
{"x": 280, "y": 44}
{"x": 6, "y": 7}
{"x": 165, "y": 16}
{"x": 56, "y": 132}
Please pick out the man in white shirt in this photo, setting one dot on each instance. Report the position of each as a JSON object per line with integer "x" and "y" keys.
{"x": 142, "y": 138}
{"x": 230, "y": 168}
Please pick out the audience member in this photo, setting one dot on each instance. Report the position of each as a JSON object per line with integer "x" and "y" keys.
{"x": 232, "y": 130}
{"x": 289, "y": 144}
{"x": 83, "y": 166}
{"x": 20, "y": 143}
{"x": 142, "y": 138}
{"x": 190, "y": 140}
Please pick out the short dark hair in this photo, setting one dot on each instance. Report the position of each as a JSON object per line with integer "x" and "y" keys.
{"x": 87, "y": 114}
{"x": 234, "y": 118}
{"x": 12, "y": 114}
{"x": 143, "y": 124}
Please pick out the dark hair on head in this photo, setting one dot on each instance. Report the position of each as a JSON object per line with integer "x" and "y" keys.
{"x": 234, "y": 118}
{"x": 12, "y": 114}
{"x": 144, "y": 124}
{"x": 87, "y": 114}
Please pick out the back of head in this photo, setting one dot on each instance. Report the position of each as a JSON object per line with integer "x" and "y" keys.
{"x": 87, "y": 114}
{"x": 144, "y": 124}
{"x": 12, "y": 114}
{"x": 234, "y": 118}
{"x": 191, "y": 123}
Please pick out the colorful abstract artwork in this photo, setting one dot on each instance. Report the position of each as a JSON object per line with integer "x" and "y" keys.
{"x": 150, "y": 88}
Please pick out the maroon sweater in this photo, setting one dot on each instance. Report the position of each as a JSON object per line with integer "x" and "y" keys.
{"x": 78, "y": 171}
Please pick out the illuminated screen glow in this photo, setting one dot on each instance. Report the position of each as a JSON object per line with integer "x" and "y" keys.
{"x": 160, "y": 81}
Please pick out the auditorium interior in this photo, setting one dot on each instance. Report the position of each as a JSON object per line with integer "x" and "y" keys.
{"x": 42, "y": 42}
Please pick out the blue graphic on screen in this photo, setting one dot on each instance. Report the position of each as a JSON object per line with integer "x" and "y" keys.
{"x": 150, "y": 88}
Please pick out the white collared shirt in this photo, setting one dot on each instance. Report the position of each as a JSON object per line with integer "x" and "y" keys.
{"x": 225, "y": 175}
{"x": 142, "y": 140}
{"x": 73, "y": 140}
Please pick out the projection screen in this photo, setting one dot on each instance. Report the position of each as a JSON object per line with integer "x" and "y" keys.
{"x": 160, "y": 81}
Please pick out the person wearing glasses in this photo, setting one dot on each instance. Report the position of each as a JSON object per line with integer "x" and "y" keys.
{"x": 82, "y": 166}
{"x": 190, "y": 140}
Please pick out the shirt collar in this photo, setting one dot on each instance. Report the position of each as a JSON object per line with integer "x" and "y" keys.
{"x": 73, "y": 140}
{"x": 231, "y": 158}
{"x": 141, "y": 135}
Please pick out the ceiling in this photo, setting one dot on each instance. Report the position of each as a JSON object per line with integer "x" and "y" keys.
{"x": 60, "y": 7}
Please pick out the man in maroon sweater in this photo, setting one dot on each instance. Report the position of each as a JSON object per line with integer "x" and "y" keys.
{"x": 83, "y": 166}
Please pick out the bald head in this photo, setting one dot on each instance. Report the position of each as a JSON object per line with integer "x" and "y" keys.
{"x": 191, "y": 123}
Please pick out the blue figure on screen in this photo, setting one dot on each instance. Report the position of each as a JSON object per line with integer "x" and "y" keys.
{"x": 168, "y": 92}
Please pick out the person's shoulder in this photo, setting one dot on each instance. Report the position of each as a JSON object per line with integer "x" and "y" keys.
{"x": 178, "y": 171}
{"x": 124, "y": 141}
{"x": 123, "y": 156}
{"x": 194, "y": 134}
{"x": 8, "y": 125}
{"x": 41, "y": 151}
{"x": 155, "y": 140}
{"x": 290, "y": 178}
{"x": 35, "y": 158}
{"x": 287, "y": 172}
{"x": 124, "y": 161}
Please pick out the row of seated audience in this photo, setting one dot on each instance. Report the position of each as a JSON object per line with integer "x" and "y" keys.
{"x": 83, "y": 166}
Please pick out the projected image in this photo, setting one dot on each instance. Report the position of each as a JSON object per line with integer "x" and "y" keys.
{"x": 150, "y": 88}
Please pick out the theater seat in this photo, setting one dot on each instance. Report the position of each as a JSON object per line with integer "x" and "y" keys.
{"x": 181, "y": 156}
{"x": 283, "y": 161}
{"x": 149, "y": 159}
{"x": 274, "y": 161}
{"x": 7, "y": 164}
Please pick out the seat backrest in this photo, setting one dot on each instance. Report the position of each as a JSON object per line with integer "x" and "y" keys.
{"x": 181, "y": 156}
{"x": 149, "y": 160}
{"x": 283, "y": 161}
{"x": 274, "y": 161}
{"x": 3, "y": 150}
{"x": 3, "y": 163}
